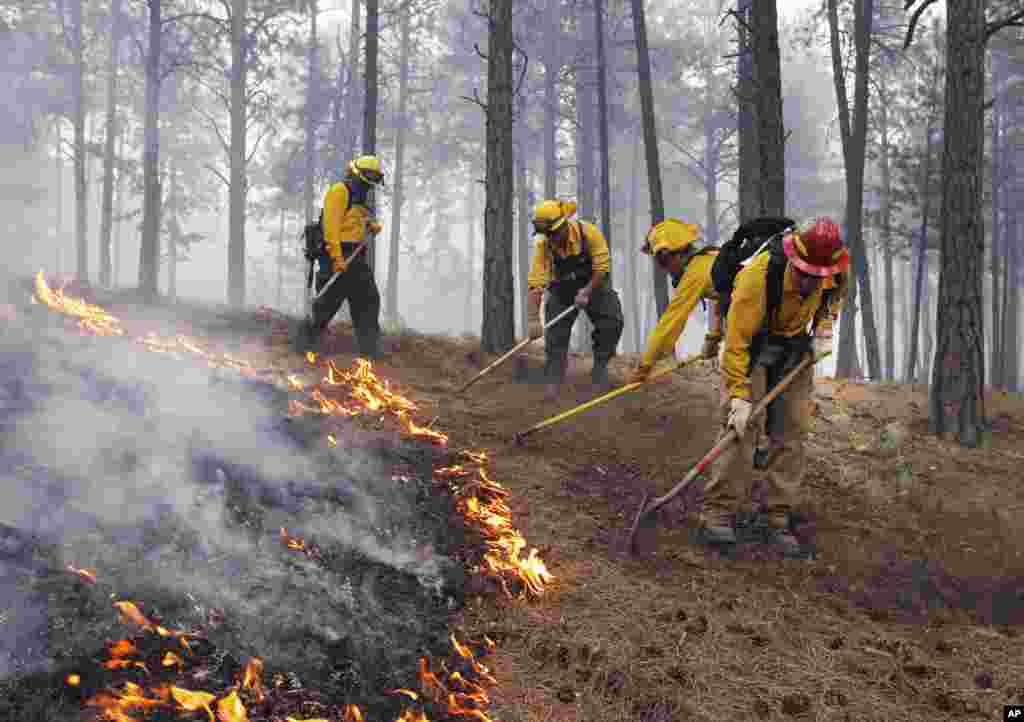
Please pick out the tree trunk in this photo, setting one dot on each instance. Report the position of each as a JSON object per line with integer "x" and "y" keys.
{"x": 920, "y": 264}
{"x": 711, "y": 158}
{"x": 401, "y": 123}
{"x": 523, "y": 194}
{"x": 998, "y": 253}
{"x": 309, "y": 121}
{"x": 854, "y": 138}
{"x": 280, "y": 260}
{"x": 498, "y": 327}
{"x": 632, "y": 293}
{"x": 886, "y": 239}
{"x": 1011, "y": 316}
{"x": 237, "y": 189}
{"x": 58, "y": 165}
{"x": 958, "y": 378}
{"x": 173, "y": 232}
{"x": 771, "y": 139}
{"x": 650, "y": 143}
{"x": 355, "y": 91}
{"x": 106, "y": 220}
{"x": 78, "y": 120}
{"x": 584, "y": 143}
{"x": 370, "y": 108}
{"x": 149, "y": 249}
{"x": 471, "y": 254}
{"x": 602, "y": 120}
{"x": 552, "y": 67}
{"x": 119, "y": 211}
{"x": 746, "y": 122}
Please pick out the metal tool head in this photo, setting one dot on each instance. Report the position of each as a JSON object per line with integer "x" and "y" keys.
{"x": 642, "y": 523}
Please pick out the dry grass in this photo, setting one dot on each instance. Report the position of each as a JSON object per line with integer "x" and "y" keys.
{"x": 685, "y": 635}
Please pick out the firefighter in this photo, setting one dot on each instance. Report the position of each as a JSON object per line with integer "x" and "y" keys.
{"x": 672, "y": 243}
{"x": 763, "y": 341}
{"x": 348, "y": 217}
{"x": 571, "y": 262}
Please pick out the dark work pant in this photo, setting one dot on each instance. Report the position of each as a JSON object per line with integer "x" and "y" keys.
{"x": 604, "y": 312}
{"x": 357, "y": 286}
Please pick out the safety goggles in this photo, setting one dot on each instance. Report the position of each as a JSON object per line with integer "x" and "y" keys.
{"x": 545, "y": 227}
{"x": 371, "y": 176}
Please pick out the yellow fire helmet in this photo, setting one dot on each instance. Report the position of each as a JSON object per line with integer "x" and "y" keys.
{"x": 367, "y": 168}
{"x": 671, "y": 235}
{"x": 549, "y": 215}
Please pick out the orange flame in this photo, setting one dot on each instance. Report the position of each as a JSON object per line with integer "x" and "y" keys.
{"x": 74, "y": 680}
{"x": 231, "y": 709}
{"x": 86, "y": 574}
{"x": 172, "y": 660}
{"x": 131, "y": 613}
{"x": 90, "y": 318}
{"x": 253, "y": 678}
{"x": 352, "y": 714}
{"x": 191, "y": 701}
{"x": 411, "y": 715}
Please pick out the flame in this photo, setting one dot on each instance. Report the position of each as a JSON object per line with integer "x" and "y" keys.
{"x": 231, "y": 709}
{"x": 481, "y": 500}
{"x": 74, "y": 680}
{"x": 86, "y": 574}
{"x": 253, "y": 678}
{"x": 352, "y": 714}
{"x": 407, "y": 692}
{"x": 90, "y": 318}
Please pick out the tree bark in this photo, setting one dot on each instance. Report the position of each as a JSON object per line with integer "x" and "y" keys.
{"x": 238, "y": 190}
{"x": 886, "y": 238}
{"x": 106, "y": 220}
{"x": 920, "y": 264}
{"x": 650, "y": 143}
{"x": 312, "y": 98}
{"x": 552, "y": 67}
{"x": 119, "y": 211}
{"x": 771, "y": 138}
{"x": 584, "y": 143}
{"x": 149, "y": 250}
{"x": 997, "y": 252}
{"x": 401, "y": 123}
{"x": 746, "y": 120}
{"x": 78, "y": 99}
{"x": 602, "y": 113}
{"x": 173, "y": 232}
{"x": 498, "y": 326}
{"x": 355, "y": 94}
{"x": 370, "y": 107}
{"x": 854, "y": 140}
{"x": 523, "y": 195}
{"x": 958, "y": 377}
{"x": 632, "y": 294}
{"x": 471, "y": 254}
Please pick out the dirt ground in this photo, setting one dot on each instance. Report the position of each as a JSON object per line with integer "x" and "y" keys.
{"x": 909, "y": 609}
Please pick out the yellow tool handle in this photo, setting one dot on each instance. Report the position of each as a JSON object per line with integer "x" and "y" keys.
{"x": 607, "y": 397}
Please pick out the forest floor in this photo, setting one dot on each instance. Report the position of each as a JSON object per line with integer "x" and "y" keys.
{"x": 909, "y": 610}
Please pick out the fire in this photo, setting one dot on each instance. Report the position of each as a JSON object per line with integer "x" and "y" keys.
{"x": 74, "y": 680}
{"x": 90, "y": 318}
{"x": 481, "y": 500}
{"x": 86, "y": 574}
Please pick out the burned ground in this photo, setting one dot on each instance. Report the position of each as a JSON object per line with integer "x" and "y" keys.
{"x": 342, "y": 620}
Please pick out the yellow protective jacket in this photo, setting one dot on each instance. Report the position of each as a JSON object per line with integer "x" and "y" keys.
{"x": 694, "y": 285}
{"x": 342, "y": 224}
{"x": 542, "y": 267}
{"x": 747, "y": 318}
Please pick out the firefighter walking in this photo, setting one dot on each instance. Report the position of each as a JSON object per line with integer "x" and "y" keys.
{"x": 348, "y": 218}
{"x": 776, "y": 298}
{"x": 571, "y": 263}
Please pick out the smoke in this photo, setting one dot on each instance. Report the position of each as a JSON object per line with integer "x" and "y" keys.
{"x": 172, "y": 480}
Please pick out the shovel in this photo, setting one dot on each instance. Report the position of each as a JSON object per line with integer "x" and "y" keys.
{"x": 647, "y": 514}
{"x": 515, "y": 349}
{"x": 520, "y": 436}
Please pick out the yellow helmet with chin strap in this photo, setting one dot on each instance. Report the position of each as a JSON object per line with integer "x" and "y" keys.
{"x": 670, "y": 236}
{"x": 548, "y": 216}
{"x": 367, "y": 168}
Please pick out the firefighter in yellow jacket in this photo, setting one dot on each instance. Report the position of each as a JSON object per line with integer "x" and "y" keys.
{"x": 671, "y": 242}
{"x": 764, "y": 338}
{"x": 571, "y": 262}
{"x": 348, "y": 221}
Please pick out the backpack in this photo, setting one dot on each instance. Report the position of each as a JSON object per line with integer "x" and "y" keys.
{"x": 313, "y": 233}
{"x": 762, "y": 234}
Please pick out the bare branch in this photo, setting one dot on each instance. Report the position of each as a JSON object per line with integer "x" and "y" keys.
{"x": 476, "y": 48}
{"x": 217, "y": 173}
{"x": 522, "y": 75}
{"x": 914, "y": 18}
{"x": 197, "y": 16}
{"x": 1015, "y": 19}
{"x": 267, "y": 130}
{"x": 475, "y": 99}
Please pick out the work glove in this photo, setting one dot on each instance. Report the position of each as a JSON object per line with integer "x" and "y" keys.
{"x": 339, "y": 264}
{"x": 821, "y": 344}
{"x": 374, "y": 227}
{"x": 638, "y": 375}
{"x": 739, "y": 415}
{"x": 710, "y": 350}
{"x": 583, "y": 297}
{"x": 534, "y": 328}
